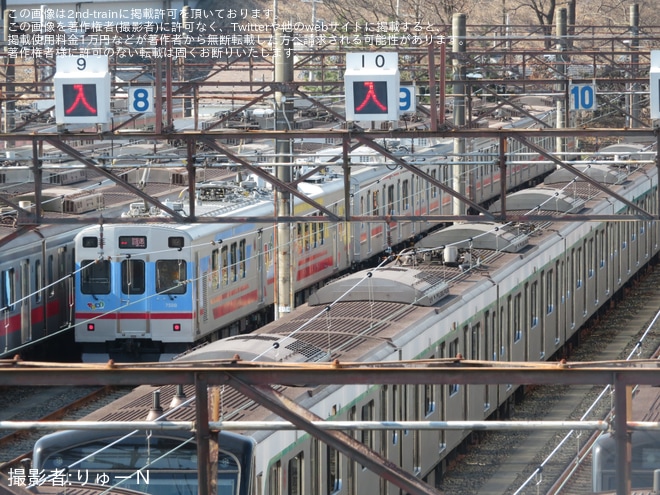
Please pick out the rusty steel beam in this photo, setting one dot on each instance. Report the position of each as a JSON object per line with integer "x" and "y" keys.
{"x": 270, "y": 178}
{"x": 493, "y": 133}
{"x": 357, "y": 218}
{"x": 375, "y": 146}
{"x": 94, "y": 166}
{"x": 16, "y": 373}
{"x": 303, "y": 419}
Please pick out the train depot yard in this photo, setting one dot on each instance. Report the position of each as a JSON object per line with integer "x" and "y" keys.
{"x": 303, "y": 266}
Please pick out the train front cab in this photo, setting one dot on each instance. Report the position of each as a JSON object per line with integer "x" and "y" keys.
{"x": 134, "y": 299}
{"x": 149, "y": 462}
{"x": 645, "y": 460}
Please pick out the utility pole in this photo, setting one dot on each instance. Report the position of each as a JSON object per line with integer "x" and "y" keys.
{"x": 283, "y": 122}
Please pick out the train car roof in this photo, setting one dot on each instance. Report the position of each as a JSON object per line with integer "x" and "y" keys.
{"x": 603, "y": 174}
{"x": 533, "y": 200}
{"x": 486, "y": 235}
{"x": 249, "y": 347}
{"x": 399, "y": 284}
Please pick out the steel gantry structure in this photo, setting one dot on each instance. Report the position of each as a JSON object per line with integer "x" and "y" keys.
{"x": 256, "y": 380}
{"x": 349, "y": 139}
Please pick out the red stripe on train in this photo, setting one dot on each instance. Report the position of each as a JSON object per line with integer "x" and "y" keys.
{"x": 136, "y": 316}
{"x": 235, "y": 304}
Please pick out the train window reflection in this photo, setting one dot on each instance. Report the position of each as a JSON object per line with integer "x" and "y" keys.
{"x": 170, "y": 275}
{"x": 95, "y": 277}
{"x": 132, "y": 276}
{"x": 8, "y": 290}
{"x": 153, "y": 465}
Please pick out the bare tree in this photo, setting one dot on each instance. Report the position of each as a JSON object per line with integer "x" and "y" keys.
{"x": 544, "y": 10}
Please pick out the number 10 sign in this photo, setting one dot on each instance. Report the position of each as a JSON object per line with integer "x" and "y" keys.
{"x": 582, "y": 96}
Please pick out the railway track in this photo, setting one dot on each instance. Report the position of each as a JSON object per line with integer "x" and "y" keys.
{"x": 43, "y": 404}
{"x": 508, "y": 462}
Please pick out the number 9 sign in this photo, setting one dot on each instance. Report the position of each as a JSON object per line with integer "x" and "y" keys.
{"x": 140, "y": 99}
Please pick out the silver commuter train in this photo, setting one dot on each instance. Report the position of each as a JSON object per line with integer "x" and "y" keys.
{"x": 36, "y": 290}
{"x": 36, "y": 294}
{"x": 153, "y": 291}
{"x": 486, "y": 291}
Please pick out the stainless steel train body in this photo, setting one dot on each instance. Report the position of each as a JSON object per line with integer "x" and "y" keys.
{"x": 36, "y": 289}
{"x": 166, "y": 467}
{"x": 225, "y": 273}
{"x": 488, "y": 292}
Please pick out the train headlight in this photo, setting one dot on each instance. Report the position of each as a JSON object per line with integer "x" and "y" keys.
{"x": 176, "y": 327}
{"x": 90, "y": 327}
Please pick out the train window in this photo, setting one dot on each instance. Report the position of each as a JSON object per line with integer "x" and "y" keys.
{"x": 172, "y": 466}
{"x": 170, "y": 275}
{"x": 90, "y": 242}
{"x": 61, "y": 262}
{"x": 175, "y": 242}
{"x": 38, "y": 281}
{"x": 241, "y": 258}
{"x": 367, "y": 414}
{"x": 224, "y": 257}
{"x": 405, "y": 195}
{"x": 51, "y": 276}
{"x": 234, "y": 262}
{"x": 429, "y": 399}
{"x": 8, "y": 290}
{"x": 453, "y": 351}
{"x": 434, "y": 189}
{"x": 275, "y": 485}
{"x": 215, "y": 269}
{"x": 296, "y": 475}
{"x": 534, "y": 304}
{"x": 333, "y": 470}
{"x": 95, "y": 277}
{"x": 390, "y": 200}
{"x": 517, "y": 327}
{"x": 375, "y": 203}
{"x": 299, "y": 237}
{"x": 132, "y": 276}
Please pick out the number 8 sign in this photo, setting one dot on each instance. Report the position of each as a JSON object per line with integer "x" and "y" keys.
{"x": 140, "y": 99}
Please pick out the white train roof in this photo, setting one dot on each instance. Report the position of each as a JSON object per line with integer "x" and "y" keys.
{"x": 534, "y": 200}
{"x": 476, "y": 235}
{"x": 390, "y": 284}
{"x": 267, "y": 347}
{"x": 604, "y": 174}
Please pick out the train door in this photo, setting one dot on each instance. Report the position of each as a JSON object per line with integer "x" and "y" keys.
{"x": 25, "y": 302}
{"x": 63, "y": 281}
{"x": 7, "y": 301}
{"x": 133, "y": 302}
{"x": 374, "y": 211}
{"x": 262, "y": 274}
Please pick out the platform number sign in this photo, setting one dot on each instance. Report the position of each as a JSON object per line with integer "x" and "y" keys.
{"x": 407, "y": 99}
{"x": 582, "y": 97}
{"x": 371, "y": 84}
{"x": 82, "y": 90}
{"x": 141, "y": 99}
